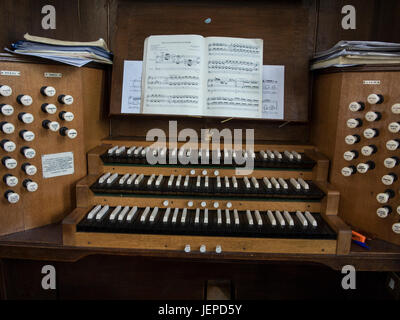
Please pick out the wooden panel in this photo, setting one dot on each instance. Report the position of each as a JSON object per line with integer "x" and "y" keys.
{"x": 358, "y": 202}
{"x": 57, "y": 193}
{"x": 287, "y": 28}
{"x": 76, "y": 20}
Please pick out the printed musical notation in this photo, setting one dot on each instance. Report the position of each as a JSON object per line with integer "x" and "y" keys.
{"x": 157, "y": 99}
{"x": 173, "y": 81}
{"x": 177, "y": 59}
{"x": 232, "y": 66}
{"x": 232, "y": 49}
{"x": 231, "y": 83}
{"x": 236, "y": 101}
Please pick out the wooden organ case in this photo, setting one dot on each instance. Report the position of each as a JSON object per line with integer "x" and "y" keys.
{"x": 47, "y": 124}
{"x": 356, "y": 123}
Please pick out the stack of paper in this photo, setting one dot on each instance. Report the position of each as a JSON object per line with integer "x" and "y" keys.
{"x": 351, "y": 53}
{"x": 73, "y": 53}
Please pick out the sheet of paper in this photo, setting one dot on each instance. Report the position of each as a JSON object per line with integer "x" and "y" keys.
{"x": 273, "y": 89}
{"x": 234, "y": 77}
{"x": 173, "y": 75}
{"x": 131, "y": 87}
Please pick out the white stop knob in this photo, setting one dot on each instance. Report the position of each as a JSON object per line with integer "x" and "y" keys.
{"x": 8, "y": 145}
{"x": 190, "y": 204}
{"x": 203, "y": 204}
{"x": 396, "y": 108}
{"x": 7, "y": 127}
{"x": 203, "y": 248}
{"x": 5, "y": 90}
{"x": 187, "y": 248}
{"x": 31, "y": 186}
{"x": 48, "y": 91}
{"x": 396, "y": 227}
{"x": 165, "y": 203}
{"x": 374, "y": 98}
{"x": 12, "y": 197}
{"x": 218, "y": 249}
{"x": 10, "y": 180}
{"x": 229, "y": 205}
{"x": 383, "y": 212}
{"x": 66, "y": 99}
{"x": 394, "y": 127}
{"x": 6, "y": 110}
{"x": 383, "y": 197}
{"x": 49, "y": 108}
{"x": 356, "y": 106}
{"x": 216, "y": 205}
{"x": 9, "y": 163}
{"x": 25, "y": 100}
{"x": 392, "y": 145}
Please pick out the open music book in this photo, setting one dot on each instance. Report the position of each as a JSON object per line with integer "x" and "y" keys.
{"x": 193, "y": 75}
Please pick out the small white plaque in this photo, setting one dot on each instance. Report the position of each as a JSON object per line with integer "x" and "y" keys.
{"x": 57, "y": 164}
{"x": 52, "y": 75}
{"x": 10, "y": 73}
{"x": 372, "y": 82}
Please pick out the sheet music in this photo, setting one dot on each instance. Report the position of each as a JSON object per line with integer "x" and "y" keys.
{"x": 131, "y": 87}
{"x": 273, "y": 92}
{"x": 233, "y": 77}
{"x": 173, "y": 75}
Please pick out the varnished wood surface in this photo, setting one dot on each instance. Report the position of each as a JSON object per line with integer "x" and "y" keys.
{"x": 334, "y": 92}
{"x": 45, "y": 243}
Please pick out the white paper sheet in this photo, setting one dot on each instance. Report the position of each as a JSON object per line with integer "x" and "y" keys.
{"x": 273, "y": 92}
{"x": 131, "y": 87}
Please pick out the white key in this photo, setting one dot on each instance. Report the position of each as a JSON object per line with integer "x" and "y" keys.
{"x": 310, "y": 218}
{"x": 234, "y": 182}
{"x": 159, "y": 180}
{"x": 93, "y": 212}
{"x": 178, "y": 181}
{"x": 137, "y": 151}
{"x": 112, "y": 150}
{"x": 112, "y": 178}
{"x": 246, "y": 155}
{"x": 131, "y": 179}
{"x": 283, "y": 183}
{"x": 219, "y": 216}
{"x": 206, "y": 182}
{"x": 139, "y": 179}
{"x": 267, "y": 183}
{"x": 264, "y": 155}
{"x": 226, "y": 182}
{"x": 252, "y": 154}
{"x": 151, "y": 180}
{"x": 303, "y": 184}
{"x": 303, "y": 220}
{"x": 183, "y": 217}
{"x": 219, "y": 153}
{"x": 123, "y": 178}
{"x": 295, "y": 184}
{"x": 189, "y": 153}
{"x": 102, "y": 212}
{"x": 173, "y": 153}
{"x": 197, "y": 217}
{"x": 288, "y": 218}
{"x": 115, "y": 212}
{"x": 205, "y": 221}
{"x": 163, "y": 152}
{"x": 236, "y": 216}
{"x": 275, "y": 183}
{"x": 198, "y": 182}
{"x": 154, "y": 152}
{"x": 280, "y": 218}
{"x": 247, "y": 183}
{"x": 123, "y": 213}
{"x": 181, "y": 152}
{"x": 288, "y": 155}
{"x": 227, "y": 217}
{"x": 249, "y": 217}
{"x": 132, "y": 214}
{"x": 104, "y": 177}
{"x": 171, "y": 180}
{"x": 218, "y": 182}
{"x": 258, "y": 217}
{"x": 153, "y": 215}
{"x": 145, "y": 214}
{"x": 271, "y": 218}
{"x": 120, "y": 150}
{"x": 226, "y": 154}
{"x": 270, "y": 155}
{"x": 208, "y": 153}
{"x": 297, "y": 155}
{"x": 166, "y": 215}
{"x": 130, "y": 150}
{"x": 145, "y": 151}
{"x": 277, "y": 154}
{"x": 175, "y": 216}
{"x": 186, "y": 182}
{"x": 255, "y": 182}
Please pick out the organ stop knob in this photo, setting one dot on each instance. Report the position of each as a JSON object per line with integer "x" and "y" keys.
{"x": 391, "y": 162}
{"x": 385, "y": 196}
{"x": 373, "y": 116}
{"x": 371, "y": 133}
{"x": 187, "y": 248}
{"x": 29, "y": 169}
{"x": 11, "y": 196}
{"x": 352, "y": 139}
{"x": 65, "y": 99}
{"x": 28, "y": 152}
{"x": 48, "y": 91}
{"x": 49, "y": 108}
{"x": 348, "y": 171}
{"x": 374, "y": 98}
{"x": 356, "y": 106}
{"x": 66, "y": 115}
{"x": 394, "y": 127}
{"x": 203, "y": 248}
{"x": 393, "y": 144}
{"x": 388, "y": 179}
{"x": 364, "y": 167}
{"x": 6, "y": 109}
{"x": 5, "y": 91}
{"x": 70, "y": 133}
{"x": 6, "y": 127}
{"x": 354, "y": 123}
{"x": 25, "y": 117}
{"x": 25, "y": 100}
{"x": 384, "y": 212}
{"x": 51, "y": 125}
{"x": 396, "y": 108}
{"x": 10, "y": 180}
{"x": 368, "y": 150}
{"x": 30, "y": 185}
{"x": 7, "y": 145}
{"x": 9, "y": 163}
{"x": 27, "y": 135}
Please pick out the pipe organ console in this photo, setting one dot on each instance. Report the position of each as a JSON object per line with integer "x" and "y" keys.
{"x": 356, "y": 123}
{"x": 284, "y": 205}
{"x": 42, "y": 139}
